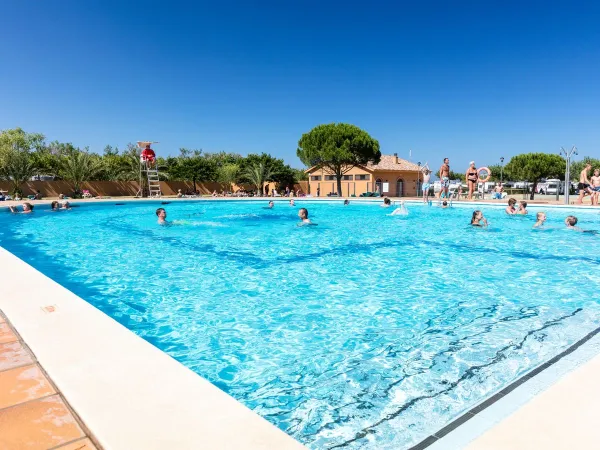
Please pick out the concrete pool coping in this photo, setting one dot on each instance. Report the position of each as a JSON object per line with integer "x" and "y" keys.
{"x": 139, "y": 397}
{"x": 128, "y": 393}
{"x": 408, "y": 200}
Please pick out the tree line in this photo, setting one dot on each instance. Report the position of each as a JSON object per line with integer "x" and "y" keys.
{"x": 24, "y": 156}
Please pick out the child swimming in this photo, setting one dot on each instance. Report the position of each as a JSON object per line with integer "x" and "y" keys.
{"x": 478, "y": 220}
{"x": 386, "y": 203}
{"x": 271, "y": 204}
{"x": 571, "y": 223}
{"x": 292, "y": 202}
{"x": 540, "y": 219}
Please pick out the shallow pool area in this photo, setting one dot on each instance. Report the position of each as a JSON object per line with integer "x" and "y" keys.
{"x": 366, "y": 331}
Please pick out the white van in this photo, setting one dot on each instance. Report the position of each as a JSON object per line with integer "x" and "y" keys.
{"x": 553, "y": 186}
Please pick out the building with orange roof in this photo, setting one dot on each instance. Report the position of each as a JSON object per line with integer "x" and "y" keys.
{"x": 392, "y": 176}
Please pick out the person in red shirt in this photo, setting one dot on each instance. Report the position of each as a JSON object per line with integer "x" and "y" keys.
{"x": 148, "y": 155}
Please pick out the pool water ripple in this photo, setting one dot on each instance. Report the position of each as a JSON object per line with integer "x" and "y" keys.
{"x": 367, "y": 331}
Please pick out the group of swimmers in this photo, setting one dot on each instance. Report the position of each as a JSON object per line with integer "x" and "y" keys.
{"x": 478, "y": 220}
{"x": 27, "y": 208}
{"x": 161, "y": 213}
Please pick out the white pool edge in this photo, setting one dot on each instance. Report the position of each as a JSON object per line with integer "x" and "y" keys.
{"x": 129, "y": 394}
{"x": 537, "y": 414}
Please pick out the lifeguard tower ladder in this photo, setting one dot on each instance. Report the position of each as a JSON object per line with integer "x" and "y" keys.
{"x": 149, "y": 180}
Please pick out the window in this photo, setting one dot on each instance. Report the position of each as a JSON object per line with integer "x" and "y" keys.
{"x": 330, "y": 177}
{"x": 347, "y": 177}
{"x": 315, "y": 178}
{"x": 363, "y": 177}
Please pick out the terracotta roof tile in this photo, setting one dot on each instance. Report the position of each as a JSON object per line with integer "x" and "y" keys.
{"x": 388, "y": 162}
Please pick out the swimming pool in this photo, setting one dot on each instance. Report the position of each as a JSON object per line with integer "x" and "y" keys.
{"x": 367, "y": 331}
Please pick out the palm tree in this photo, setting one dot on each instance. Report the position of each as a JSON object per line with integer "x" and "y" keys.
{"x": 229, "y": 174}
{"x": 258, "y": 174}
{"x": 79, "y": 166}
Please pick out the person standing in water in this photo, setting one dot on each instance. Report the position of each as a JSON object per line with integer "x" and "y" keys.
{"x": 444, "y": 178}
{"x": 303, "y": 215}
{"x": 540, "y": 219}
{"x": 162, "y": 216}
{"x": 426, "y": 185}
{"x": 478, "y": 220}
{"x": 510, "y": 209}
{"x": 522, "y": 208}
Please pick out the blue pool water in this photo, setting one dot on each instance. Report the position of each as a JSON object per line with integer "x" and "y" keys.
{"x": 366, "y": 331}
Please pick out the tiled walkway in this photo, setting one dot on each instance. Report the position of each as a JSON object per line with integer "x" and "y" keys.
{"x": 33, "y": 414}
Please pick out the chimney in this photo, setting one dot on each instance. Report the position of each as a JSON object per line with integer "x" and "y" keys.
{"x": 395, "y": 158}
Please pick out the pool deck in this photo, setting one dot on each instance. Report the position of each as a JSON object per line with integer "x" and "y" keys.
{"x": 415, "y": 200}
{"x": 113, "y": 390}
{"x": 33, "y": 412}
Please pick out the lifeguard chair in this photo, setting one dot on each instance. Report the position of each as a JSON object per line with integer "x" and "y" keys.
{"x": 149, "y": 181}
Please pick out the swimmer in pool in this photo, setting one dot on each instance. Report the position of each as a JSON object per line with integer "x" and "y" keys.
{"x": 65, "y": 205}
{"x": 571, "y": 223}
{"x": 522, "y": 208}
{"x": 510, "y": 209}
{"x": 54, "y": 206}
{"x": 478, "y": 220}
{"x": 27, "y": 208}
{"x": 346, "y": 202}
{"x": 401, "y": 210}
{"x": 162, "y": 216}
{"x": 292, "y": 202}
{"x": 540, "y": 219}
{"x": 444, "y": 204}
{"x": 271, "y": 204}
{"x": 386, "y": 203}
{"x": 303, "y": 214}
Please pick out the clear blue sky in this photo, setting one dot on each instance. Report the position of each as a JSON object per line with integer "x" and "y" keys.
{"x": 471, "y": 80}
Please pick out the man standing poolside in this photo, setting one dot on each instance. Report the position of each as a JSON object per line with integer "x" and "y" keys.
{"x": 444, "y": 178}
{"x": 584, "y": 184}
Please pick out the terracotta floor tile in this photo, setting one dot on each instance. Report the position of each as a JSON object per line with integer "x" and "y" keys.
{"x": 23, "y": 384}
{"x": 6, "y": 334}
{"x": 84, "y": 444}
{"x": 37, "y": 425}
{"x": 13, "y": 355}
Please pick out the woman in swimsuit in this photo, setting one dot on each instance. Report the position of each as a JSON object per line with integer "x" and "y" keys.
{"x": 472, "y": 178}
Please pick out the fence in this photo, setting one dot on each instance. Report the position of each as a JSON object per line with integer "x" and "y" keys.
{"x": 127, "y": 188}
